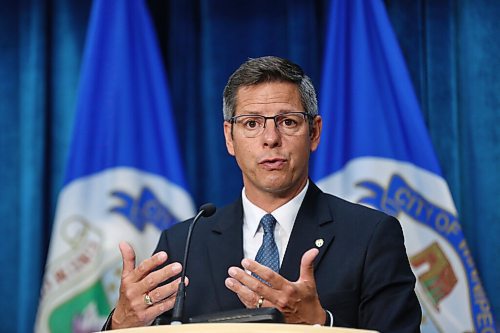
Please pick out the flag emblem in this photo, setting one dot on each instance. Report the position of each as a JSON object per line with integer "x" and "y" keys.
{"x": 440, "y": 279}
{"x": 146, "y": 208}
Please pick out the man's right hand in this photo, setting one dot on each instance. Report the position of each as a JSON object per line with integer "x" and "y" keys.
{"x": 136, "y": 282}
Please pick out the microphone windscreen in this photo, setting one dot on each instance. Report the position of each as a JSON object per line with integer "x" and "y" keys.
{"x": 208, "y": 209}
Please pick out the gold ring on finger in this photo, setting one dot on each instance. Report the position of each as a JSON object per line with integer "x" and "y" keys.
{"x": 260, "y": 302}
{"x": 147, "y": 300}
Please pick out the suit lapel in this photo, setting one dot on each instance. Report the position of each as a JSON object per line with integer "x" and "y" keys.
{"x": 313, "y": 222}
{"x": 225, "y": 249}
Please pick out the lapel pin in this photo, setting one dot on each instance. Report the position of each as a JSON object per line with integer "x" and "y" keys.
{"x": 319, "y": 242}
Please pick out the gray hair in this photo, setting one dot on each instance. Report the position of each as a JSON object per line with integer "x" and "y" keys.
{"x": 269, "y": 69}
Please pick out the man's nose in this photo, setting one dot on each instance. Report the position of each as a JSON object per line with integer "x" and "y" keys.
{"x": 271, "y": 134}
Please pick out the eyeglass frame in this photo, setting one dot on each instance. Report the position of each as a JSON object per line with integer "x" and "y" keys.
{"x": 307, "y": 116}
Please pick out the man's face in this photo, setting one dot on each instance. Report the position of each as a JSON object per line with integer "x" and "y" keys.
{"x": 272, "y": 163}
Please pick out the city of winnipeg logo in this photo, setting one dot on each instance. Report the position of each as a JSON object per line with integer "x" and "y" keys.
{"x": 439, "y": 280}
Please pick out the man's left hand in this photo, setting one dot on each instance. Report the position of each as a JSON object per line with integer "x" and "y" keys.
{"x": 298, "y": 301}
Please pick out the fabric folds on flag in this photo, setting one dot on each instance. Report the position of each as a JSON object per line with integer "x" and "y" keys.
{"x": 124, "y": 179}
{"x": 375, "y": 150}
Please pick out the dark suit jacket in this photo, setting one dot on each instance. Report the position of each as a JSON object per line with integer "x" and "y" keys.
{"x": 362, "y": 272}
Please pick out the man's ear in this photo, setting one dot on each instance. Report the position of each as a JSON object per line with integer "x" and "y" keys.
{"x": 316, "y": 132}
{"x": 229, "y": 137}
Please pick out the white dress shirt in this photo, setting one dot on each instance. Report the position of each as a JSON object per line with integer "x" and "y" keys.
{"x": 284, "y": 215}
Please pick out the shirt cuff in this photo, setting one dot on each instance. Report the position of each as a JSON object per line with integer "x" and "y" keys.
{"x": 107, "y": 324}
{"x": 329, "y": 319}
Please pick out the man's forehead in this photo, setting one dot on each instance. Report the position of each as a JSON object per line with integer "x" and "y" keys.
{"x": 251, "y": 87}
{"x": 267, "y": 93}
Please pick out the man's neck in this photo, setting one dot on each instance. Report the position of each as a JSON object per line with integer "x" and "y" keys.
{"x": 270, "y": 201}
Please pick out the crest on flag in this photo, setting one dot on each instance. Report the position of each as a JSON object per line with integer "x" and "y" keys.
{"x": 433, "y": 237}
{"x": 81, "y": 282}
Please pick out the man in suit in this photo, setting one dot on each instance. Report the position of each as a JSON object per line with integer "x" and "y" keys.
{"x": 284, "y": 243}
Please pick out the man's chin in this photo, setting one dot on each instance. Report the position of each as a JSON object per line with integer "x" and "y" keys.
{"x": 279, "y": 188}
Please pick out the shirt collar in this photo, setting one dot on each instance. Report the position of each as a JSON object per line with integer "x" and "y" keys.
{"x": 284, "y": 215}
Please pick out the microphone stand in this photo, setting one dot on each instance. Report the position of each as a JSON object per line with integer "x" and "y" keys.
{"x": 205, "y": 210}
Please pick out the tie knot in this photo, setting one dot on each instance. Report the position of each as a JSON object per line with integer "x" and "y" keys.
{"x": 268, "y": 222}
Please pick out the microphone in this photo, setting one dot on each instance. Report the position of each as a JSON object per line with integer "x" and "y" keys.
{"x": 205, "y": 210}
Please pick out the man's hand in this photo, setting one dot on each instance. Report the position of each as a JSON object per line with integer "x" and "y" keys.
{"x": 136, "y": 282}
{"x": 298, "y": 301}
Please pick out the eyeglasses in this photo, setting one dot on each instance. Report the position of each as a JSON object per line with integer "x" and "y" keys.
{"x": 288, "y": 123}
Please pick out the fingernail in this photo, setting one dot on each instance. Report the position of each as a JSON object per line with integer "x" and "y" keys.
{"x": 245, "y": 263}
{"x": 176, "y": 267}
{"x": 232, "y": 271}
{"x": 229, "y": 283}
{"x": 161, "y": 256}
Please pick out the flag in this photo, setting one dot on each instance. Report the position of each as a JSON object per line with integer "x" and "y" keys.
{"x": 375, "y": 150}
{"x": 124, "y": 179}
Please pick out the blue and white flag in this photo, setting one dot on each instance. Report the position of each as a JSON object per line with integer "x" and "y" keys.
{"x": 124, "y": 179}
{"x": 375, "y": 150}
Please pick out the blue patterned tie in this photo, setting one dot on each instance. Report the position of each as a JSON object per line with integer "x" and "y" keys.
{"x": 268, "y": 253}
